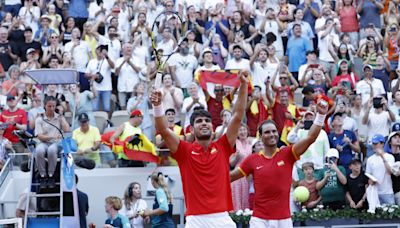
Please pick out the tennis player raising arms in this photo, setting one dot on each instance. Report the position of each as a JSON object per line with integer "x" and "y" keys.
{"x": 204, "y": 164}
{"x": 272, "y": 172}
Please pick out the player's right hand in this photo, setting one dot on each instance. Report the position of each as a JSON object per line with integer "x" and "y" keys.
{"x": 155, "y": 97}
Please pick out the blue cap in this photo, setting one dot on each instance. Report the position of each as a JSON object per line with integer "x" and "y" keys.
{"x": 387, "y": 148}
{"x": 396, "y": 127}
{"x": 378, "y": 138}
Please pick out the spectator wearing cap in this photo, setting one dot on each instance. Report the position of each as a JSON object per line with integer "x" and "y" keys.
{"x": 88, "y": 139}
{"x": 369, "y": 11}
{"x": 125, "y": 130}
{"x": 379, "y": 166}
{"x": 16, "y": 119}
{"x": 166, "y": 159}
{"x": 296, "y": 50}
{"x": 44, "y": 32}
{"x": 31, "y": 63}
{"x": 30, "y": 15}
{"x": 345, "y": 141}
{"x": 7, "y": 57}
{"x": 317, "y": 151}
{"x": 182, "y": 65}
{"x": 331, "y": 181}
{"x": 369, "y": 86}
{"x": 208, "y": 63}
{"x": 392, "y": 146}
{"x": 345, "y": 78}
{"x": 237, "y": 62}
{"x": 49, "y": 138}
{"x": 356, "y": 186}
{"x": 83, "y": 102}
{"x": 378, "y": 120}
{"x": 98, "y": 71}
{"x": 350, "y": 124}
{"x": 129, "y": 74}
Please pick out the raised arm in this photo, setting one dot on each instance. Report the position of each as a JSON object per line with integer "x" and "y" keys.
{"x": 170, "y": 138}
{"x": 302, "y": 145}
{"x": 239, "y": 109}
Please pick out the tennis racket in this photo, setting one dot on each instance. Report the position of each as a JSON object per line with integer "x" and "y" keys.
{"x": 177, "y": 27}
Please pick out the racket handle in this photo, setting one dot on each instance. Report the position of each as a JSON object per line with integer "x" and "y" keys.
{"x": 158, "y": 81}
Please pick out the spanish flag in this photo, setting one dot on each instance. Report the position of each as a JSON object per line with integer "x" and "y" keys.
{"x": 223, "y": 77}
{"x": 290, "y": 124}
{"x": 135, "y": 147}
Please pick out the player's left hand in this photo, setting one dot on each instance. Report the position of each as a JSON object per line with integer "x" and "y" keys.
{"x": 322, "y": 106}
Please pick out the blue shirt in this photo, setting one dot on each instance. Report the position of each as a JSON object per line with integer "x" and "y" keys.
{"x": 44, "y": 40}
{"x": 370, "y": 14}
{"x": 78, "y": 9}
{"x": 161, "y": 202}
{"x": 306, "y": 30}
{"x": 219, "y": 31}
{"x": 346, "y": 155}
{"x": 296, "y": 52}
{"x": 308, "y": 16}
{"x": 120, "y": 221}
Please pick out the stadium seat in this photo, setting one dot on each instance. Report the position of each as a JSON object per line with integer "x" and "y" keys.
{"x": 119, "y": 117}
{"x": 101, "y": 120}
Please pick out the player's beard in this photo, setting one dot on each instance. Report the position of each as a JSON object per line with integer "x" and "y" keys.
{"x": 203, "y": 137}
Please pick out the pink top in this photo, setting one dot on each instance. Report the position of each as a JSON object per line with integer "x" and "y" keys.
{"x": 348, "y": 19}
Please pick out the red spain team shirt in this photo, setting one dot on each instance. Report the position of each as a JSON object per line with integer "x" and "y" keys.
{"x": 272, "y": 179}
{"x": 205, "y": 176}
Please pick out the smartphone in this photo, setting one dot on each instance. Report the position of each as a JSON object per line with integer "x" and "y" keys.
{"x": 377, "y": 102}
{"x": 314, "y": 65}
{"x": 308, "y": 124}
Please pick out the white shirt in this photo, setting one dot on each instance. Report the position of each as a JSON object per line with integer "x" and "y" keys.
{"x": 136, "y": 222}
{"x": 185, "y": 66}
{"x": 31, "y": 19}
{"x": 186, "y": 103}
{"x": 242, "y": 64}
{"x": 104, "y": 68}
{"x": 323, "y": 45}
{"x": 272, "y": 26}
{"x": 378, "y": 123}
{"x": 127, "y": 77}
{"x": 80, "y": 55}
{"x": 363, "y": 88}
{"x": 376, "y": 167}
{"x": 114, "y": 47}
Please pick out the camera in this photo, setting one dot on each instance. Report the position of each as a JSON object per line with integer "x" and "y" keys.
{"x": 308, "y": 124}
{"x": 25, "y": 98}
{"x": 377, "y": 102}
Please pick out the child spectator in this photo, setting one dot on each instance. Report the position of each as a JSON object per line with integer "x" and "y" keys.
{"x": 113, "y": 205}
{"x": 356, "y": 185}
{"x": 311, "y": 184}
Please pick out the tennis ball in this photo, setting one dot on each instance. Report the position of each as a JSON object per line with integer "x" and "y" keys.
{"x": 301, "y": 194}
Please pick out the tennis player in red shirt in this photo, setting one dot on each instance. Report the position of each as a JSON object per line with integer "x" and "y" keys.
{"x": 204, "y": 164}
{"x": 272, "y": 172}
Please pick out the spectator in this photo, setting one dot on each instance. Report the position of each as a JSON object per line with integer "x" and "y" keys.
{"x": 237, "y": 23}
{"x": 327, "y": 40}
{"x": 237, "y": 62}
{"x": 240, "y": 188}
{"x": 54, "y": 49}
{"x": 139, "y": 100}
{"x": 311, "y": 12}
{"x": 379, "y": 166}
{"x": 66, "y": 29}
{"x": 315, "y": 154}
{"x": 391, "y": 41}
{"x": 369, "y": 11}
{"x": 346, "y": 10}
{"x": 15, "y": 119}
{"x": 369, "y": 51}
{"x": 345, "y": 141}
{"x": 78, "y": 10}
{"x": 356, "y": 186}
{"x": 218, "y": 50}
{"x": 88, "y": 139}
{"x": 333, "y": 180}
{"x": 5, "y": 146}
{"x": 44, "y": 32}
{"x": 115, "y": 219}
{"x": 226, "y": 116}
{"x": 134, "y": 205}
{"x": 10, "y": 86}
{"x": 194, "y": 24}
{"x": 172, "y": 96}
{"x": 381, "y": 71}
{"x": 246, "y": 50}
{"x": 274, "y": 27}
{"x": 7, "y": 57}
{"x": 369, "y": 86}
{"x": 311, "y": 63}
{"x": 392, "y": 146}
{"x": 49, "y": 137}
{"x": 257, "y": 110}
{"x": 182, "y": 66}
{"x": 306, "y": 30}
{"x": 217, "y": 25}
{"x": 52, "y": 90}
{"x": 161, "y": 215}
{"x": 30, "y": 15}
{"x": 98, "y": 71}
{"x": 55, "y": 18}
{"x": 345, "y": 78}
{"x": 81, "y": 54}
{"x": 83, "y": 204}
{"x": 194, "y": 100}
{"x": 284, "y": 78}
{"x": 129, "y": 74}
{"x": 261, "y": 66}
{"x": 296, "y": 50}
{"x": 12, "y": 6}
{"x": 129, "y": 128}
{"x": 82, "y": 102}
{"x": 311, "y": 184}
{"x": 378, "y": 120}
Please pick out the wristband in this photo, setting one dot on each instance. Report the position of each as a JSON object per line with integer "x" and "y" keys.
{"x": 158, "y": 111}
{"x": 319, "y": 120}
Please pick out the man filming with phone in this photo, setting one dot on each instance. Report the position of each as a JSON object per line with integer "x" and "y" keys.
{"x": 379, "y": 120}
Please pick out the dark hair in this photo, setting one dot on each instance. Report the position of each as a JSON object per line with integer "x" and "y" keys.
{"x": 347, "y": 54}
{"x": 297, "y": 9}
{"x": 170, "y": 110}
{"x": 261, "y": 125}
{"x": 296, "y": 25}
{"x": 307, "y": 90}
{"x": 163, "y": 76}
{"x": 76, "y": 179}
{"x": 128, "y": 194}
{"x": 112, "y": 26}
{"x": 49, "y": 98}
{"x": 199, "y": 113}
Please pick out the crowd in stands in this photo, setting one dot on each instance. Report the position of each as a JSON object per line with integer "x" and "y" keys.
{"x": 297, "y": 51}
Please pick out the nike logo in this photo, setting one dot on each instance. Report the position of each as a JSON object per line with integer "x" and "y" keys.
{"x": 281, "y": 163}
{"x": 213, "y": 151}
{"x": 195, "y": 153}
{"x": 259, "y": 167}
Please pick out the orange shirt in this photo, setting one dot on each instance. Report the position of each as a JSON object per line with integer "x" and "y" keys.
{"x": 205, "y": 176}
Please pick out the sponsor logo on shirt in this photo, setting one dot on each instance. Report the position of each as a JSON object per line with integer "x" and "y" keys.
{"x": 259, "y": 167}
{"x": 195, "y": 153}
{"x": 213, "y": 151}
{"x": 280, "y": 163}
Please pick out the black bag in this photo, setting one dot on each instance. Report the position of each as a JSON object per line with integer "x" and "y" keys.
{"x": 99, "y": 78}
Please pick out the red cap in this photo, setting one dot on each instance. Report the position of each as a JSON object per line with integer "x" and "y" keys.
{"x": 136, "y": 112}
